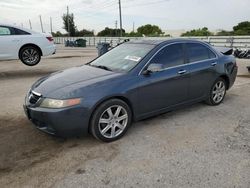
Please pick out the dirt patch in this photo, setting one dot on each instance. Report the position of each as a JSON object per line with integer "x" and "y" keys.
{"x": 240, "y": 139}
{"x": 24, "y": 73}
{"x": 22, "y": 146}
{"x": 80, "y": 171}
{"x": 244, "y": 76}
{"x": 69, "y": 56}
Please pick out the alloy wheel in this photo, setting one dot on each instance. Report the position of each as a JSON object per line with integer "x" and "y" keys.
{"x": 218, "y": 92}
{"x": 113, "y": 121}
{"x": 30, "y": 56}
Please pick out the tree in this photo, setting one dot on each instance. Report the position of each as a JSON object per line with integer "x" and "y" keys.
{"x": 225, "y": 33}
{"x": 84, "y": 32}
{"x": 57, "y": 34}
{"x": 109, "y": 32}
{"x": 150, "y": 30}
{"x": 133, "y": 34}
{"x": 69, "y": 19}
{"x": 242, "y": 28}
{"x": 198, "y": 32}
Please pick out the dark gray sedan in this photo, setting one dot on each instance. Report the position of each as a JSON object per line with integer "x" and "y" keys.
{"x": 131, "y": 82}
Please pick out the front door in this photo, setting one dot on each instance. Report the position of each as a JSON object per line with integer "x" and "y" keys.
{"x": 169, "y": 86}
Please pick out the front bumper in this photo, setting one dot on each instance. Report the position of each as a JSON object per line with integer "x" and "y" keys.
{"x": 61, "y": 122}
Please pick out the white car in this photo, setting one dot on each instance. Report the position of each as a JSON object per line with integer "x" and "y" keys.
{"x": 24, "y": 44}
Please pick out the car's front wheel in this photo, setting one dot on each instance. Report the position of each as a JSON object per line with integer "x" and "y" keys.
{"x": 30, "y": 55}
{"x": 111, "y": 120}
{"x": 217, "y": 92}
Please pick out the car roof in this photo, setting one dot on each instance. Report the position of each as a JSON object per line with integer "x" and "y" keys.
{"x": 163, "y": 41}
{"x": 21, "y": 28}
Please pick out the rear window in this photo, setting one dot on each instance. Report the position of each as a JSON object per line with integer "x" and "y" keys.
{"x": 198, "y": 52}
{"x": 20, "y": 32}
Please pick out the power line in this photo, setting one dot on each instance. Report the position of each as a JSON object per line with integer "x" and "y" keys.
{"x": 96, "y": 13}
{"x": 146, "y": 4}
{"x": 110, "y": 4}
{"x": 104, "y": 5}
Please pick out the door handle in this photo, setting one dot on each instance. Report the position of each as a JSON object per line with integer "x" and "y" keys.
{"x": 214, "y": 64}
{"x": 15, "y": 40}
{"x": 182, "y": 71}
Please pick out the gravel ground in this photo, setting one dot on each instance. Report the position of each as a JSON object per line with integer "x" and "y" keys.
{"x": 198, "y": 146}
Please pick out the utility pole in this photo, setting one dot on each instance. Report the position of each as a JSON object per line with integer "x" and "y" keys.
{"x": 133, "y": 27}
{"x": 41, "y": 23}
{"x": 30, "y": 25}
{"x": 116, "y": 28}
{"x": 51, "y": 25}
{"x": 68, "y": 20}
{"x": 120, "y": 12}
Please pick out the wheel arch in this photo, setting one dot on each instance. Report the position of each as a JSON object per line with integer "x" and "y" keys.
{"x": 227, "y": 80}
{"x": 30, "y": 44}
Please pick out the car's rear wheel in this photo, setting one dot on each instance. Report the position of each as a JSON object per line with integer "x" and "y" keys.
{"x": 217, "y": 92}
{"x": 30, "y": 55}
{"x": 111, "y": 120}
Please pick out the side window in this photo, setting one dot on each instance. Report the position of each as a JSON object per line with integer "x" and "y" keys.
{"x": 211, "y": 54}
{"x": 170, "y": 56}
{"x": 198, "y": 52}
{"x": 20, "y": 32}
{"x": 5, "y": 31}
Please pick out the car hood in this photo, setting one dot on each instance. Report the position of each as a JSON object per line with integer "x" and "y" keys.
{"x": 83, "y": 75}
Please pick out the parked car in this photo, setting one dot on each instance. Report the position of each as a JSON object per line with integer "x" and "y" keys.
{"x": 24, "y": 44}
{"x": 131, "y": 82}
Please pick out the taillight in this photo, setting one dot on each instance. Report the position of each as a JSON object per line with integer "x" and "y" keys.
{"x": 50, "y": 39}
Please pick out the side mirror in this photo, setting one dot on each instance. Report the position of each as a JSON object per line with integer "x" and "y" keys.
{"x": 153, "y": 68}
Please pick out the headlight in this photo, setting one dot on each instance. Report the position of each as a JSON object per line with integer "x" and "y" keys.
{"x": 54, "y": 103}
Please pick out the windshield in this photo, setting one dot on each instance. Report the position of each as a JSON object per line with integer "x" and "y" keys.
{"x": 122, "y": 58}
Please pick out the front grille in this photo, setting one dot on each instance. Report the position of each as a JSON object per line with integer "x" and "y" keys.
{"x": 34, "y": 97}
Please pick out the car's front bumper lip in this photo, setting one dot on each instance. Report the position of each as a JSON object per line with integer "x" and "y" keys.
{"x": 62, "y": 122}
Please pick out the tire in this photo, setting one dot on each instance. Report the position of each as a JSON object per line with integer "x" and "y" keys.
{"x": 30, "y": 55}
{"x": 108, "y": 123}
{"x": 219, "y": 89}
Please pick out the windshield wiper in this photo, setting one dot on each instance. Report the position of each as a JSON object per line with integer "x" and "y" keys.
{"x": 102, "y": 67}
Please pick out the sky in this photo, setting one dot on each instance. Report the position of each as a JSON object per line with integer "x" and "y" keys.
{"x": 98, "y": 14}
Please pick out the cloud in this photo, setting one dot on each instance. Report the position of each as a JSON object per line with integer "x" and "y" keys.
{"x": 96, "y": 14}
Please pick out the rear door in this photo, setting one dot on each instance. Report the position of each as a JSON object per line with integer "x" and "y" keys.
{"x": 202, "y": 64}
{"x": 9, "y": 43}
{"x": 167, "y": 87}
{"x": 5, "y": 42}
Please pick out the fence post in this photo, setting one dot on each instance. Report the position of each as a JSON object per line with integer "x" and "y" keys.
{"x": 232, "y": 42}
